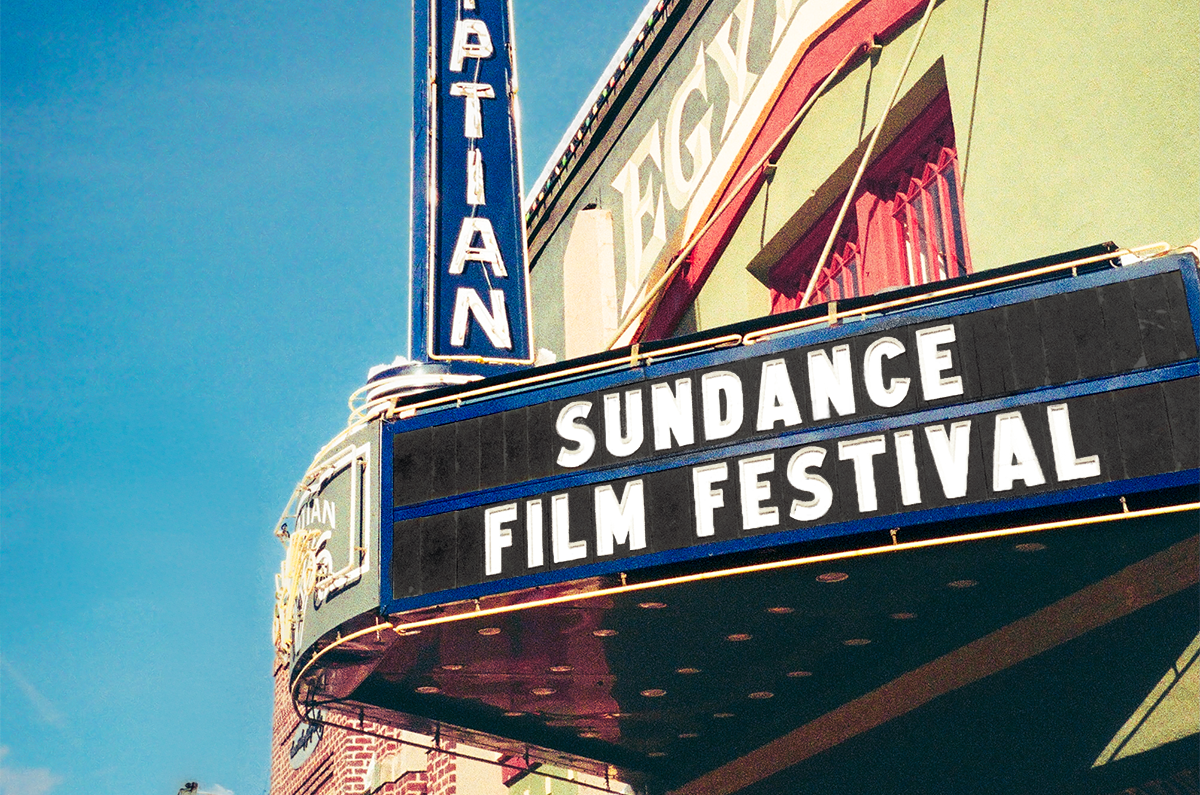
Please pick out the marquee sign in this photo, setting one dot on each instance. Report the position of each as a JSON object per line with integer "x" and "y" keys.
{"x": 469, "y": 275}
{"x": 331, "y": 572}
{"x": 1058, "y": 392}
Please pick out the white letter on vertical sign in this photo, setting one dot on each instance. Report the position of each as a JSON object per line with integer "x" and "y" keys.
{"x": 463, "y": 48}
{"x": 473, "y": 115}
{"x": 475, "y": 195}
{"x": 465, "y": 252}
{"x": 620, "y": 522}
{"x": 494, "y": 323}
{"x": 496, "y": 536}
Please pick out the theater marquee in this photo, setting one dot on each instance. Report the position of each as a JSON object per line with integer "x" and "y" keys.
{"x": 1043, "y": 394}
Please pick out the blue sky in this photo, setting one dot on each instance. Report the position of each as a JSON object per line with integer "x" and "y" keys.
{"x": 204, "y": 248}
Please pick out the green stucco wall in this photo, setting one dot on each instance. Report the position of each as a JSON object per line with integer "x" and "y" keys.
{"x": 1076, "y": 123}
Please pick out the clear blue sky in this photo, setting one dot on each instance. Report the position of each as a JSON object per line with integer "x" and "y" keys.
{"x": 204, "y": 248}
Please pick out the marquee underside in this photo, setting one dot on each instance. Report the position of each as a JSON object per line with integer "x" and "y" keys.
{"x": 1007, "y": 662}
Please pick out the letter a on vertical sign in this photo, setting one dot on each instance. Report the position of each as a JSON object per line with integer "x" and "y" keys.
{"x": 470, "y": 286}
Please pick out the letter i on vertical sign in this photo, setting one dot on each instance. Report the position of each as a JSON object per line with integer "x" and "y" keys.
{"x": 470, "y": 286}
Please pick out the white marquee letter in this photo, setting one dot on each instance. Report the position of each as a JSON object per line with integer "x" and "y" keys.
{"x": 560, "y": 532}
{"x": 776, "y": 400}
{"x": 801, "y": 479}
{"x": 617, "y": 443}
{"x": 570, "y": 427}
{"x": 1066, "y": 465}
{"x": 622, "y": 522}
{"x": 951, "y": 456}
{"x": 534, "y": 556}
{"x": 894, "y": 393}
{"x": 712, "y": 386}
{"x": 933, "y": 361}
{"x": 906, "y": 463}
{"x": 1013, "y": 457}
{"x": 672, "y": 414}
{"x": 706, "y": 498}
{"x": 862, "y": 452}
{"x": 496, "y": 535}
{"x": 831, "y": 383}
{"x": 754, "y": 491}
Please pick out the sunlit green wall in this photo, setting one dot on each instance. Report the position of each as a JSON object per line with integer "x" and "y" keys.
{"x": 1076, "y": 123}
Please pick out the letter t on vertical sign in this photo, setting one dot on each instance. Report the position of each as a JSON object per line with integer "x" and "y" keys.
{"x": 470, "y": 281}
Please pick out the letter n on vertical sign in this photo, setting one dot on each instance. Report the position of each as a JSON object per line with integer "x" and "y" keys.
{"x": 476, "y": 300}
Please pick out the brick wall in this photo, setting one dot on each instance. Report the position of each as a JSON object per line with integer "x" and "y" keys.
{"x": 346, "y": 762}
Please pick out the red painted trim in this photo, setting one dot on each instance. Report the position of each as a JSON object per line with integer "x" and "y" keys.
{"x": 867, "y": 21}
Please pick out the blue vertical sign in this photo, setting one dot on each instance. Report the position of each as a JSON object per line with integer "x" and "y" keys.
{"x": 470, "y": 286}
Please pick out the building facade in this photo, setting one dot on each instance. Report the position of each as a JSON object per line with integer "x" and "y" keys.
{"x": 870, "y": 460}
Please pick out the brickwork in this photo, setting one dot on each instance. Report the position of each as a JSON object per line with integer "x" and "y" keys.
{"x": 347, "y": 762}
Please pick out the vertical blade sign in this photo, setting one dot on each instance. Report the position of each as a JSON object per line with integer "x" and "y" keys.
{"x": 475, "y": 303}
